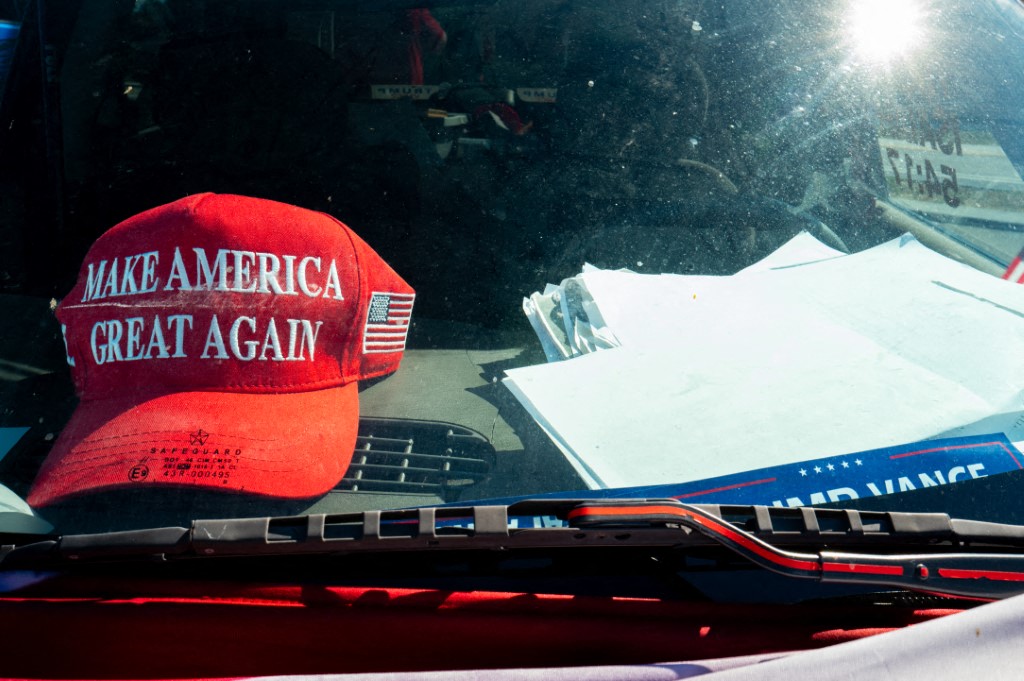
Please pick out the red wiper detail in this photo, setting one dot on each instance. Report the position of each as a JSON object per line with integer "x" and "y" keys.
{"x": 975, "y": 575}
{"x": 709, "y": 525}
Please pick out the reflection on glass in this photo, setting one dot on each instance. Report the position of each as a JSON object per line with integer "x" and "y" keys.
{"x": 881, "y": 30}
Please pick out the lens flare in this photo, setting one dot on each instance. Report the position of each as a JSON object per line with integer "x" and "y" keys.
{"x": 881, "y": 30}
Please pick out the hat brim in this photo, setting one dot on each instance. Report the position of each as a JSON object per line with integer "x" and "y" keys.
{"x": 281, "y": 445}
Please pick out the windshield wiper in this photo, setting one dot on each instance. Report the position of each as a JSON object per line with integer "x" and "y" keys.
{"x": 965, "y": 574}
{"x": 925, "y": 552}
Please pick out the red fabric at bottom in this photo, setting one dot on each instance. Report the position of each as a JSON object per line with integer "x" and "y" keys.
{"x": 75, "y": 629}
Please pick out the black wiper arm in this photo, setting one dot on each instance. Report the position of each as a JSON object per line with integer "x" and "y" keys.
{"x": 956, "y": 557}
{"x": 972, "y": 575}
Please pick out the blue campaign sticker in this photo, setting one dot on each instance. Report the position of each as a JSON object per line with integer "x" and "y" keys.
{"x": 874, "y": 473}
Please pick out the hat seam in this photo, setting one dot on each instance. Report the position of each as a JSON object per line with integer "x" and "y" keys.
{"x": 355, "y": 350}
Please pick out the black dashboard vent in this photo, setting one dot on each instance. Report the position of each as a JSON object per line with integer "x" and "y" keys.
{"x": 417, "y": 457}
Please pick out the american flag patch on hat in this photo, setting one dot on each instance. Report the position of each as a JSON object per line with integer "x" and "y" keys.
{"x": 387, "y": 322}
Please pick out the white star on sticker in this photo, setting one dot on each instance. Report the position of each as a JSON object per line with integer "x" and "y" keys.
{"x": 846, "y": 465}
{"x": 858, "y": 462}
{"x": 817, "y": 469}
{"x": 803, "y": 472}
{"x": 831, "y": 467}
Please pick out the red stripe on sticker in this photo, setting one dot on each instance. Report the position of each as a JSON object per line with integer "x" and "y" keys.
{"x": 1015, "y": 272}
{"x": 727, "y": 487}
{"x": 1001, "y": 445}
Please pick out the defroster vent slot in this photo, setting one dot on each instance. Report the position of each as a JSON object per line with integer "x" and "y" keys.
{"x": 417, "y": 457}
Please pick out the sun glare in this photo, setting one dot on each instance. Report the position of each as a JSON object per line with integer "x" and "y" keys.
{"x": 881, "y": 30}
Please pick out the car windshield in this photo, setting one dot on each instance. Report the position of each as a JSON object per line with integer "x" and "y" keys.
{"x": 267, "y": 258}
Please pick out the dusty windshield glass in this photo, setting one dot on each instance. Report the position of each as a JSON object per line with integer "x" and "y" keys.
{"x": 269, "y": 258}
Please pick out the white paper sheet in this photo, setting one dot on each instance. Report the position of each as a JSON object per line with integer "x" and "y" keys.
{"x": 718, "y": 375}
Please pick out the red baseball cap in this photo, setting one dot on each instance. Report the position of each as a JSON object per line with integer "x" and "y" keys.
{"x": 216, "y": 343}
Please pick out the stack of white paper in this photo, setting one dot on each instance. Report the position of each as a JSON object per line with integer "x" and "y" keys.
{"x": 809, "y": 353}
{"x": 567, "y": 321}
